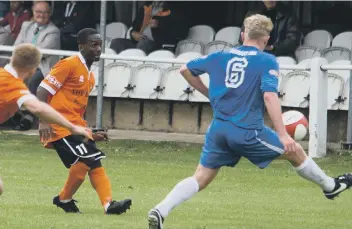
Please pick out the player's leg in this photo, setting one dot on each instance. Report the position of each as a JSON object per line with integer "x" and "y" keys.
{"x": 101, "y": 183}
{"x": 182, "y": 192}
{"x": 267, "y": 146}
{"x": 215, "y": 155}
{"x": 66, "y": 149}
{"x": 76, "y": 177}
{"x": 308, "y": 169}
{"x": 82, "y": 158}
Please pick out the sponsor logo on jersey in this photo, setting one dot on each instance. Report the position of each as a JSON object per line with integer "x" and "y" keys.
{"x": 82, "y": 106}
{"x": 52, "y": 80}
{"x": 80, "y": 92}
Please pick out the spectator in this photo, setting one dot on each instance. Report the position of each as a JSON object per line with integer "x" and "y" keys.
{"x": 45, "y": 35}
{"x": 70, "y": 17}
{"x": 285, "y": 37}
{"x": 155, "y": 24}
{"x": 12, "y": 22}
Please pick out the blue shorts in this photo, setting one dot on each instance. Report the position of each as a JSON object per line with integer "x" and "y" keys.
{"x": 226, "y": 143}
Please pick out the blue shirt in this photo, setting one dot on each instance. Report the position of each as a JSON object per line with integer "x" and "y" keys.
{"x": 238, "y": 79}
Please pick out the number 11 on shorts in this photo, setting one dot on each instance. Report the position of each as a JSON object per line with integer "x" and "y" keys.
{"x": 82, "y": 149}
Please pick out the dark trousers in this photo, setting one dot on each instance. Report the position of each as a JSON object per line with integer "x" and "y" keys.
{"x": 69, "y": 42}
{"x": 24, "y": 119}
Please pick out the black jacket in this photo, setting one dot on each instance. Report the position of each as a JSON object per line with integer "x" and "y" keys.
{"x": 170, "y": 29}
{"x": 286, "y": 29}
{"x": 80, "y": 18}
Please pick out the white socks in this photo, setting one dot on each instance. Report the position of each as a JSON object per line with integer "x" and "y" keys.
{"x": 181, "y": 192}
{"x": 107, "y": 205}
{"x": 187, "y": 188}
{"x": 309, "y": 170}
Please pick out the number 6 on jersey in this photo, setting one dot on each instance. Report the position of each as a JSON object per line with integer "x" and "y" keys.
{"x": 235, "y": 72}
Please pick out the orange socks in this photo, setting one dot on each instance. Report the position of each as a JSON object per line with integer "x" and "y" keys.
{"x": 98, "y": 179}
{"x": 101, "y": 184}
{"x": 75, "y": 178}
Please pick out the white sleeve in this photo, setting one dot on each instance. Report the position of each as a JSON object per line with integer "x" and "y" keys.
{"x": 24, "y": 98}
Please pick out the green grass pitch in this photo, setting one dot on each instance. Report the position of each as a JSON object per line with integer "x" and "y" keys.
{"x": 244, "y": 197}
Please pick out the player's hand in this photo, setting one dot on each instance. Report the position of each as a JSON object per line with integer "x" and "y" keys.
{"x": 79, "y": 130}
{"x": 45, "y": 132}
{"x": 138, "y": 36}
{"x": 289, "y": 143}
{"x": 100, "y": 136}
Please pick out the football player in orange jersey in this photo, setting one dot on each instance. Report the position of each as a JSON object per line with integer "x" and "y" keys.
{"x": 67, "y": 88}
{"x": 15, "y": 95}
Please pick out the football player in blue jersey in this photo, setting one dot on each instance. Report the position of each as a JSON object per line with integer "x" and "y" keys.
{"x": 243, "y": 82}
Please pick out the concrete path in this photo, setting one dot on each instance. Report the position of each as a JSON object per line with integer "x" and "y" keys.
{"x": 159, "y": 136}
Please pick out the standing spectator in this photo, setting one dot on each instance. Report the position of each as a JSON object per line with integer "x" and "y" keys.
{"x": 155, "y": 24}
{"x": 285, "y": 37}
{"x": 45, "y": 35}
{"x": 70, "y": 17}
{"x": 13, "y": 19}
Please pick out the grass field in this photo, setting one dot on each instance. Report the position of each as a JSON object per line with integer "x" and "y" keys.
{"x": 244, "y": 197}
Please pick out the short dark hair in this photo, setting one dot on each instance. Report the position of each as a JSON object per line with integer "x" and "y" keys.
{"x": 82, "y": 36}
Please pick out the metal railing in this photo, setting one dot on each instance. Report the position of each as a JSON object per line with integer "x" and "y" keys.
{"x": 318, "y": 96}
{"x": 326, "y": 67}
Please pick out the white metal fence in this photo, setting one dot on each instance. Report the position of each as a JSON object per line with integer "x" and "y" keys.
{"x": 317, "y": 102}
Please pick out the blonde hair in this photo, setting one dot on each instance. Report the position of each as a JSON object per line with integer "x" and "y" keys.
{"x": 26, "y": 56}
{"x": 257, "y": 26}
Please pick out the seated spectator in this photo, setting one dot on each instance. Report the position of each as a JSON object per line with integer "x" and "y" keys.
{"x": 285, "y": 37}
{"x": 70, "y": 17}
{"x": 155, "y": 24}
{"x": 10, "y": 25}
{"x": 45, "y": 35}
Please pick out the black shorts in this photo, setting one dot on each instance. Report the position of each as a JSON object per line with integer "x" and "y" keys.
{"x": 72, "y": 149}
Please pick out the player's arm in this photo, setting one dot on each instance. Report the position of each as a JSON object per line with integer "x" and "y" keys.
{"x": 47, "y": 113}
{"x": 273, "y": 105}
{"x": 53, "y": 82}
{"x": 269, "y": 87}
{"x": 195, "y": 68}
{"x": 195, "y": 82}
{"x": 49, "y": 87}
{"x": 19, "y": 94}
{"x": 43, "y": 94}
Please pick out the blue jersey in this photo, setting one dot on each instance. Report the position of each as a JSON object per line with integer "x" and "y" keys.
{"x": 237, "y": 80}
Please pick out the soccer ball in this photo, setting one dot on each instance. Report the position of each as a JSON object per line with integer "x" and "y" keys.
{"x": 296, "y": 124}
